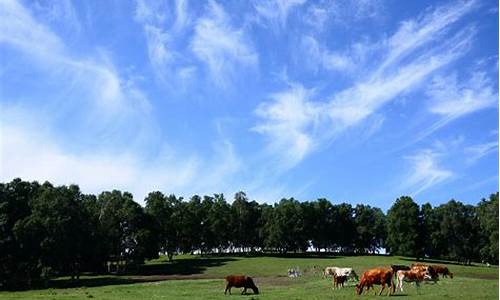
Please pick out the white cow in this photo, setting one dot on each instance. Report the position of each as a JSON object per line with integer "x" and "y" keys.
{"x": 336, "y": 271}
{"x": 413, "y": 275}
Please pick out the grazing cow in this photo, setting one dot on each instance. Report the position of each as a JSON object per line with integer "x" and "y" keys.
{"x": 396, "y": 268}
{"x": 413, "y": 275}
{"x": 240, "y": 281}
{"x": 443, "y": 270}
{"x": 335, "y": 271}
{"x": 338, "y": 281}
{"x": 425, "y": 268}
{"x": 380, "y": 276}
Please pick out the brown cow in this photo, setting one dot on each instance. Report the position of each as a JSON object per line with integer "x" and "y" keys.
{"x": 413, "y": 275}
{"x": 426, "y": 268}
{"x": 443, "y": 270}
{"x": 380, "y": 276}
{"x": 240, "y": 281}
{"x": 338, "y": 281}
{"x": 396, "y": 268}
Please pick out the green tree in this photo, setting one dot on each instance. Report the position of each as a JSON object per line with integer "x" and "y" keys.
{"x": 129, "y": 233}
{"x": 57, "y": 212}
{"x": 402, "y": 227}
{"x": 244, "y": 220}
{"x": 487, "y": 211}
{"x": 345, "y": 228}
{"x": 285, "y": 227}
{"x": 370, "y": 228}
{"x": 219, "y": 218}
{"x": 460, "y": 229}
{"x": 18, "y": 244}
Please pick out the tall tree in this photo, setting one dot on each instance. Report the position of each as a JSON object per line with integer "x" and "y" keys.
{"x": 319, "y": 222}
{"x": 370, "y": 228}
{"x": 129, "y": 233}
{"x": 487, "y": 211}
{"x": 219, "y": 218}
{"x": 58, "y": 213}
{"x": 460, "y": 229}
{"x": 345, "y": 229}
{"x": 242, "y": 222}
{"x": 19, "y": 247}
{"x": 286, "y": 227}
{"x": 402, "y": 227}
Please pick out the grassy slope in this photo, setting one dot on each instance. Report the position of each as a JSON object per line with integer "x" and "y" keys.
{"x": 469, "y": 283}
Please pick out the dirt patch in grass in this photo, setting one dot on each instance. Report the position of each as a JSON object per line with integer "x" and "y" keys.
{"x": 488, "y": 276}
{"x": 150, "y": 278}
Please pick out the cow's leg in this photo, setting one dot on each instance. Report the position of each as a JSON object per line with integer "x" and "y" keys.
{"x": 244, "y": 291}
{"x": 227, "y": 288}
{"x": 383, "y": 287}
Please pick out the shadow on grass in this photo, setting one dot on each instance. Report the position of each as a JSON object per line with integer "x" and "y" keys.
{"x": 437, "y": 261}
{"x": 90, "y": 282}
{"x": 189, "y": 266}
{"x": 162, "y": 270}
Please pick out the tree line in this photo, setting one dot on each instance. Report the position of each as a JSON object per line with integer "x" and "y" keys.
{"x": 48, "y": 231}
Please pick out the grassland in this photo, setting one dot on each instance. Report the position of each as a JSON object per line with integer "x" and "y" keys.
{"x": 193, "y": 277}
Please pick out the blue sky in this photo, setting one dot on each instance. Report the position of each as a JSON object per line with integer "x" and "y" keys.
{"x": 357, "y": 101}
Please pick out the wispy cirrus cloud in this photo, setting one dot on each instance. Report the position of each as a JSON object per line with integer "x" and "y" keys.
{"x": 424, "y": 29}
{"x": 425, "y": 172}
{"x": 163, "y": 30}
{"x": 102, "y": 85}
{"x": 451, "y": 99}
{"x": 276, "y": 11}
{"x": 220, "y": 46}
{"x": 290, "y": 121}
{"x": 318, "y": 56}
{"x": 343, "y": 12}
{"x": 476, "y": 152}
{"x": 383, "y": 83}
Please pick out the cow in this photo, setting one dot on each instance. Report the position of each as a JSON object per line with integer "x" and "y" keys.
{"x": 426, "y": 268}
{"x": 240, "y": 281}
{"x": 413, "y": 275}
{"x": 336, "y": 271}
{"x": 443, "y": 270}
{"x": 380, "y": 276}
{"x": 396, "y": 268}
{"x": 338, "y": 281}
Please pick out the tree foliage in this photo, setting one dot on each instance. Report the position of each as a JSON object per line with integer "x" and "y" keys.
{"x": 48, "y": 231}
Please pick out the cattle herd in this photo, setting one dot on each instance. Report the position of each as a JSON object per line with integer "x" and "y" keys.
{"x": 383, "y": 276}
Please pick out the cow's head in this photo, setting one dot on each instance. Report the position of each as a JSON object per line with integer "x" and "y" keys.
{"x": 359, "y": 289}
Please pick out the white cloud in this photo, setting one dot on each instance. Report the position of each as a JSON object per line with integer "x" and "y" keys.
{"x": 99, "y": 83}
{"x": 381, "y": 85}
{"x": 343, "y": 12}
{"x": 157, "y": 41}
{"x": 476, "y": 152}
{"x": 276, "y": 11}
{"x": 452, "y": 99}
{"x": 59, "y": 11}
{"x": 35, "y": 155}
{"x": 319, "y": 56}
{"x": 32, "y": 152}
{"x": 290, "y": 120}
{"x": 425, "y": 172}
{"x": 163, "y": 31}
{"x": 429, "y": 27}
{"x": 220, "y": 46}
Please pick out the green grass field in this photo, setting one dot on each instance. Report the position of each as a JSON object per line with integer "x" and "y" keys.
{"x": 194, "y": 277}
